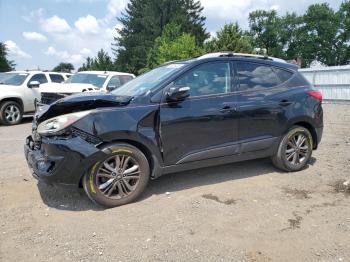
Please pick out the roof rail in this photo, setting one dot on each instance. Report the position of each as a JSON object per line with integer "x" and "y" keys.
{"x": 232, "y": 54}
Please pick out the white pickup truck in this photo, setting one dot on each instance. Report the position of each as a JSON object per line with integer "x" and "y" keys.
{"x": 84, "y": 81}
{"x": 18, "y": 92}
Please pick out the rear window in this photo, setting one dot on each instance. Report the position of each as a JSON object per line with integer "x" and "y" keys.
{"x": 256, "y": 76}
{"x": 56, "y": 78}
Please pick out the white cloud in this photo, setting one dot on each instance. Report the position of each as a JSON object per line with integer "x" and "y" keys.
{"x": 274, "y": 7}
{"x": 34, "y": 36}
{"x": 86, "y": 52}
{"x": 51, "y": 51}
{"x": 76, "y": 42}
{"x": 114, "y": 7}
{"x": 55, "y": 24}
{"x": 34, "y": 15}
{"x": 15, "y": 50}
{"x": 74, "y": 58}
{"x": 87, "y": 25}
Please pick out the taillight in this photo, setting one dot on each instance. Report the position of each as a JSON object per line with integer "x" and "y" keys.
{"x": 315, "y": 94}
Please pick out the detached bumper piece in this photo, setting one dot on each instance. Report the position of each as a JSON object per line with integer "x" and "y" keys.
{"x": 60, "y": 161}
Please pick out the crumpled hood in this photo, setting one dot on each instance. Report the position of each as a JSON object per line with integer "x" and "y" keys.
{"x": 66, "y": 88}
{"x": 80, "y": 102}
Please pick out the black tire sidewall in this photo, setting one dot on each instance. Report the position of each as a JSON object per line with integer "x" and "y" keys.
{"x": 280, "y": 159}
{"x": 89, "y": 180}
{"x": 3, "y": 119}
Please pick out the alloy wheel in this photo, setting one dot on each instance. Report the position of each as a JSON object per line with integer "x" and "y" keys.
{"x": 118, "y": 176}
{"x": 12, "y": 113}
{"x": 297, "y": 149}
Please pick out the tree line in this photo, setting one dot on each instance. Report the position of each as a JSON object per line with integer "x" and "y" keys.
{"x": 156, "y": 31}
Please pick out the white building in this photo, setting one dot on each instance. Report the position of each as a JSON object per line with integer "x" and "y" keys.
{"x": 333, "y": 81}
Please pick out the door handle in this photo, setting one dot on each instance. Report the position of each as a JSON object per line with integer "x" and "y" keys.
{"x": 227, "y": 108}
{"x": 285, "y": 103}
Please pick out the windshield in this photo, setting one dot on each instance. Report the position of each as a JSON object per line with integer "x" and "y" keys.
{"x": 93, "y": 79}
{"x": 14, "y": 79}
{"x": 147, "y": 81}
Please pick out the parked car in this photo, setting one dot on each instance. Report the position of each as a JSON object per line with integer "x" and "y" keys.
{"x": 216, "y": 109}
{"x": 17, "y": 93}
{"x": 85, "y": 81}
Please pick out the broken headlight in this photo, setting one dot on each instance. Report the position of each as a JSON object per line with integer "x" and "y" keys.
{"x": 56, "y": 124}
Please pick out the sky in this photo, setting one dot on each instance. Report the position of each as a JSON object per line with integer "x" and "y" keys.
{"x": 43, "y": 33}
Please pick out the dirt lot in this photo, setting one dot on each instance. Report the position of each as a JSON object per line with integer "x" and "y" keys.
{"x": 240, "y": 212}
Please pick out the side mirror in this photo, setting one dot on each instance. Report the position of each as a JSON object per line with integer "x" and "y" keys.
{"x": 33, "y": 84}
{"x": 111, "y": 88}
{"x": 178, "y": 93}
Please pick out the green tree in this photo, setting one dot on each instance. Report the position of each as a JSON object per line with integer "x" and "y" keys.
{"x": 102, "y": 62}
{"x": 172, "y": 45}
{"x": 144, "y": 20}
{"x": 318, "y": 36}
{"x": 343, "y": 39}
{"x": 265, "y": 27}
{"x": 64, "y": 67}
{"x": 289, "y": 35}
{"x": 5, "y": 64}
{"x": 230, "y": 38}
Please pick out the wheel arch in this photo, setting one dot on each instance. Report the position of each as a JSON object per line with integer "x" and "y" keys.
{"x": 151, "y": 157}
{"x": 143, "y": 148}
{"x": 311, "y": 129}
{"x": 15, "y": 99}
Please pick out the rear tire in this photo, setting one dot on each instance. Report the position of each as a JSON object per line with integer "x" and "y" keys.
{"x": 118, "y": 179}
{"x": 294, "y": 150}
{"x": 11, "y": 113}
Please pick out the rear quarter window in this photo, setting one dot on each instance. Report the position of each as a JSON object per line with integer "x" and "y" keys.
{"x": 257, "y": 76}
{"x": 282, "y": 74}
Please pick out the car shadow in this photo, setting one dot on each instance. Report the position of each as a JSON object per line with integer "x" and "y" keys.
{"x": 76, "y": 200}
{"x": 208, "y": 176}
{"x": 27, "y": 119}
{"x": 72, "y": 199}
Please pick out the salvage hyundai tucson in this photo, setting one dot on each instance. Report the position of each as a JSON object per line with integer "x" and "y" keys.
{"x": 215, "y": 109}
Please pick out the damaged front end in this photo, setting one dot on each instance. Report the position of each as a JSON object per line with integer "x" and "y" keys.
{"x": 57, "y": 152}
{"x": 78, "y": 103}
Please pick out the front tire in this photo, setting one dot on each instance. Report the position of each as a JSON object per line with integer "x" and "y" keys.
{"x": 118, "y": 179}
{"x": 11, "y": 113}
{"x": 294, "y": 150}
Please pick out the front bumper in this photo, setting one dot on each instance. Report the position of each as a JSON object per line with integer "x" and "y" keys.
{"x": 61, "y": 161}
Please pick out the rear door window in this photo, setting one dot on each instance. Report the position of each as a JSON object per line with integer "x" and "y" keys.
{"x": 56, "y": 78}
{"x": 257, "y": 76}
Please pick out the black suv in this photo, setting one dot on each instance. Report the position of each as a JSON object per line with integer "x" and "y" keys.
{"x": 215, "y": 109}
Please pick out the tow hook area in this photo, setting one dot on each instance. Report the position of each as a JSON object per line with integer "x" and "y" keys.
{"x": 35, "y": 158}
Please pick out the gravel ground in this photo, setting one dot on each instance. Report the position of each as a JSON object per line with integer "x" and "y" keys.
{"x": 247, "y": 211}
